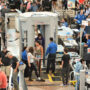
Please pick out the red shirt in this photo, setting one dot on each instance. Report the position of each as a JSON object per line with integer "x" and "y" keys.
{"x": 3, "y": 80}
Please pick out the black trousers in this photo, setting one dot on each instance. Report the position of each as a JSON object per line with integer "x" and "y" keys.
{"x": 33, "y": 67}
{"x": 26, "y": 73}
{"x": 51, "y": 63}
{"x": 65, "y": 74}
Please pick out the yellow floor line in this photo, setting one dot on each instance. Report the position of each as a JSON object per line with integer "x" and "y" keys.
{"x": 50, "y": 78}
{"x": 53, "y": 75}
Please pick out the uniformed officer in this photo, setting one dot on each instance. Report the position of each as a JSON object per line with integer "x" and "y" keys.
{"x": 78, "y": 18}
{"x": 51, "y": 52}
{"x": 88, "y": 42}
{"x": 87, "y": 55}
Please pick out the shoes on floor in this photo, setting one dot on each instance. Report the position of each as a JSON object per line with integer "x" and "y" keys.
{"x": 39, "y": 79}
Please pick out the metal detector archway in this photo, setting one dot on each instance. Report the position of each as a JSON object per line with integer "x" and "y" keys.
{"x": 29, "y": 19}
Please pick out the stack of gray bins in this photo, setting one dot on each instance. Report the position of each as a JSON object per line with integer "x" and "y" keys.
{"x": 82, "y": 80}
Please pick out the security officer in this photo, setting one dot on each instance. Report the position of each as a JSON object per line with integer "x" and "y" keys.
{"x": 88, "y": 42}
{"x": 51, "y": 52}
{"x": 78, "y": 18}
{"x": 87, "y": 55}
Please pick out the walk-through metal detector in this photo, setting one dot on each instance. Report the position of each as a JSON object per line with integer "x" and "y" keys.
{"x": 29, "y": 19}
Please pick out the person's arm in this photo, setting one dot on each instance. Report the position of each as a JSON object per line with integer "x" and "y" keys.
{"x": 41, "y": 52}
{"x": 28, "y": 61}
{"x": 62, "y": 63}
{"x": 17, "y": 65}
{"x": 85, "y": 45}
{"x": 76, "y": 18}
{"x": 84, "y": 17}
{"x": 0, "y": 60}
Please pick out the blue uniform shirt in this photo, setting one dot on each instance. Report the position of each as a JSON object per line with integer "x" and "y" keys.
{"x": 78, "y": 67}
{"x": 88, "y": 43}
{"x": 24, "y": 55}
{"x": 80, "y": 18}
{"x": 65, "y": 24}
{"x": 52, "y": 48}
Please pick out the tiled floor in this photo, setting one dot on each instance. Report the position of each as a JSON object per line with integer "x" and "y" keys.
{"x": 51, "y": 88}
{"x": 47, "y": 85}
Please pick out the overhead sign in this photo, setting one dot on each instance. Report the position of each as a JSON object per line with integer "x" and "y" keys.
{"x": 85, "y": 23}
{"x": 71, "y": 3}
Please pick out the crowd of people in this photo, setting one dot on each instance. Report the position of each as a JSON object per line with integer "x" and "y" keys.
{"x": 33, "y": 57}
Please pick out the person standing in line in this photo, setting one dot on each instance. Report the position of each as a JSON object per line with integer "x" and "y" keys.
{"x": 24, "y": 59}
{"x": 64, "y": 22}
{"x": 38, "y": 50}
{"x": 51, "y": 52}
{"x": 3, "y": 80}
{"x": 65, "y": 67}
{"x": 14, "y": 65}
{"x": 28, "y": 5}
{"x": 6, "y": 62}
{"x": 54, "y": 3}
{"x": 41, "y": 40}
{"x": 4, "y": 10}
{"x": 78, "y": 66}
{"x": 87, "y": 45}
{"x": 31, "y": 64}
{"x": 39, "y": 54}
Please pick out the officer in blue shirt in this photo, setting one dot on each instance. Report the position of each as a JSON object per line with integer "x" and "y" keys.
{"x": 64, "y": 22}
{"x": 88, "y": 42}
{"x": 24, "y": 59}
{"x": 51, "y": 52}
{"x": 86, "y": 53}
{"x": 24, "y": 55}
{"x": 78, "y": 18}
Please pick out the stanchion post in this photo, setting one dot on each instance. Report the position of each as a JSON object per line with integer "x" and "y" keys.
{"x": 81, "y": 33}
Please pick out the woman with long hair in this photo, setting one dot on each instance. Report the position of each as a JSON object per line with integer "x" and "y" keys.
{"x": 31, "y": 63}
{"x": 39, "y": 53}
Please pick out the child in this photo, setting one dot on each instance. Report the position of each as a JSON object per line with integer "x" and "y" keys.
{"x": 65, "y": 67}
{"x": 31, "y": 63}
{"x": 79, "y": 66}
